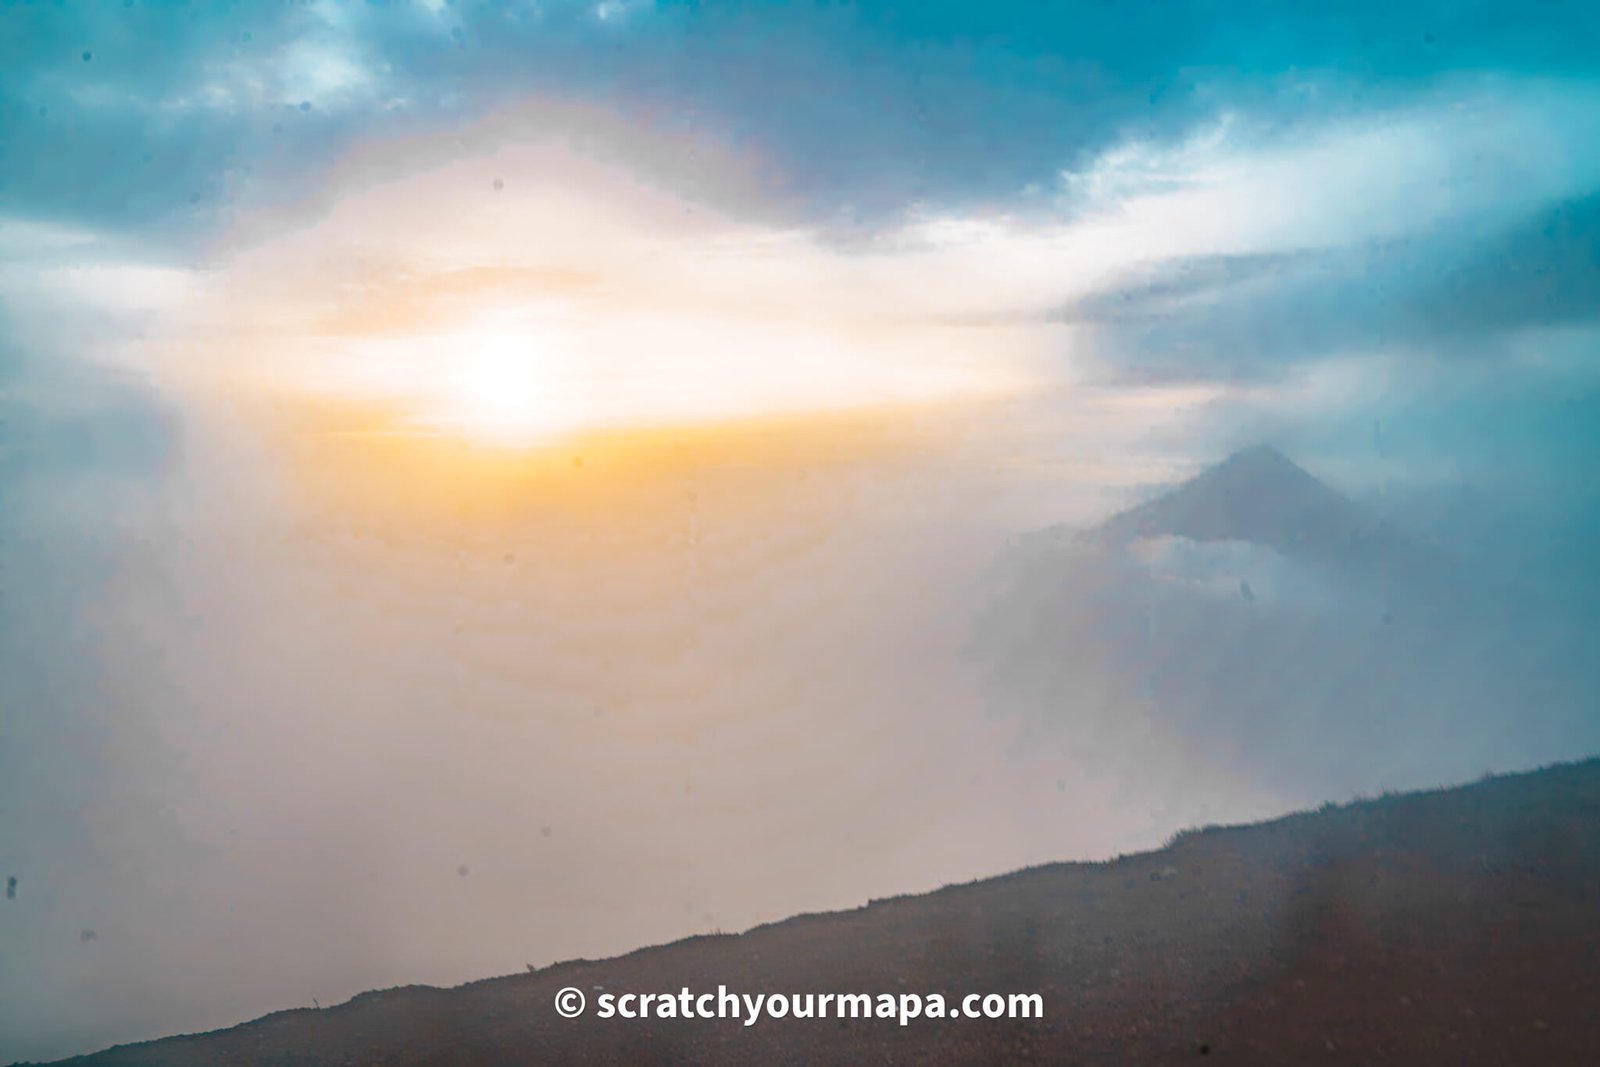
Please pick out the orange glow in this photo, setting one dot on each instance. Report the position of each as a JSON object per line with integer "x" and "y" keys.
{"x": 349, "y": 461}
{"x": 517, "y": 294}
{"x": 511, "y": 328}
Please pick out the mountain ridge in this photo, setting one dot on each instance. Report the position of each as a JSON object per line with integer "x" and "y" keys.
{"x": 1410, "y": 928}
{"x": 1258, "y": 495}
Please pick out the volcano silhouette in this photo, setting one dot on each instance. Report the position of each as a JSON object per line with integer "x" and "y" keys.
{"x": 1261, "y": 496}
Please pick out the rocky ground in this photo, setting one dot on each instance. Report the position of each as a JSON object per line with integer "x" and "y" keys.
{"x": 1460, "y": 926}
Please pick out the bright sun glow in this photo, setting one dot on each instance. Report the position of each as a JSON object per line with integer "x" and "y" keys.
{"x": 589, "y": 303}
{"x": 508, "y": 392}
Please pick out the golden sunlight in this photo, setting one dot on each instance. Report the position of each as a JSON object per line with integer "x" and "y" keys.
{"x": 575, "y": 298}
{"x": 507, "y": 392}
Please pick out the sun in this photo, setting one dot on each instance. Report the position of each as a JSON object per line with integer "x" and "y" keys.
{"x": 508, "y": 390}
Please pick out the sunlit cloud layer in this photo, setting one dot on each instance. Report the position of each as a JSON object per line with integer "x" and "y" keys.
{"x": 902, "y": 281}
{"x": 647, "y": 299}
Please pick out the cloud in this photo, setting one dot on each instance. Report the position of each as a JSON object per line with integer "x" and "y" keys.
{"x": 1239, "y": 251}
{"x": 1239, "y": 572}
{"x": 1438, "y": 233}
{"x": 1368, "y": 235}
{"x": 1471, "y": 148}
{"x": 863, "y": 112}
{"x": 1544, "y": 270}
{"x": 650, "y": 304}
{"x": 1453, "y": 295}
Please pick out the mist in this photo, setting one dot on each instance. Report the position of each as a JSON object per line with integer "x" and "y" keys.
{"x": 482, "y": 485}
{"x": 280, "y": 752}
{"x": 284, "y": 747}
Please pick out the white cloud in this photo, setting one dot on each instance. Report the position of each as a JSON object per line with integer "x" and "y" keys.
{"x": 79, "y": 290}
{"x": 326, "y": 69}
{"x": 615, "y": 11}
{"x": 1491, "y": 150}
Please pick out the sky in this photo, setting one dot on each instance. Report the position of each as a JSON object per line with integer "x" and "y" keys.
{"x": 433, "y": 434}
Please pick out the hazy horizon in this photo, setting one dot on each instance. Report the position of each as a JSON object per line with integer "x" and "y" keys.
{"x": 483, "y": 485}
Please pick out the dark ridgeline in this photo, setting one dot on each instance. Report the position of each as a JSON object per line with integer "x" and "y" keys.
{"x": 1444, "y": 927}
{"x": 1439, "y": 927}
